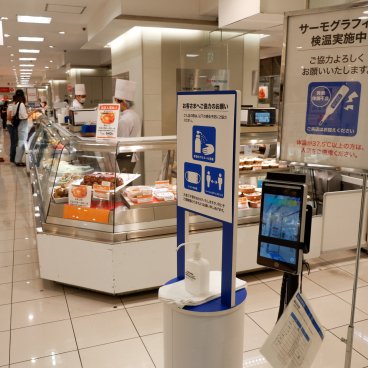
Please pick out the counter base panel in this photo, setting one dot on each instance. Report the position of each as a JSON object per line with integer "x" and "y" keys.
{"x": 138, "y": 265}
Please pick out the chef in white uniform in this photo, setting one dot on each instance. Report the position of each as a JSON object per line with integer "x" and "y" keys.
{"x": 130, "y": 124}
{"x": 80, "y": 96}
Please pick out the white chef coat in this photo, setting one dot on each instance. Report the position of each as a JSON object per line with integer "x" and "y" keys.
{"x": 129, "y": 124}
{"x": 76, "y": 104}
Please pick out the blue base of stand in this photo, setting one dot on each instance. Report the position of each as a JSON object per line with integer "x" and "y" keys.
{"x": 214, "y": 305}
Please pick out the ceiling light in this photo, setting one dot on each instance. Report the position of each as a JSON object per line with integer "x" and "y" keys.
{"x": 31, "y": 19}
{"x": 299, "y": 47}
{"x": 47, "y": 67}
{"x": 6, "y": 35}
{"x": 11, "y": 54}
{"x": 14, "y": 69}
{"x": 25, "y": 70}
{"x": 62, "y": 33}
{"x": 29, "y": 51}
{"x": 365, "y": 12}
{"x": 4, "y": 18}
{"x": 27, "y": 58}
{"x": 191, "y": 55}
{"x": 31, "y": 39}
{"x": 31, "y": 65}
{"x": 51, "y": 61}
{"x": 363, "y": 18}
{"x": 12, "y": 61}
{"x": 51, "y": 47}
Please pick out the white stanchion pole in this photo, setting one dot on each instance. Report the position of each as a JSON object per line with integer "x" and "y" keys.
{"x": 350, "y": 336}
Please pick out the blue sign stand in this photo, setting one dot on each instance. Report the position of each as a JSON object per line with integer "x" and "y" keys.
{"x": 204, "y": 173}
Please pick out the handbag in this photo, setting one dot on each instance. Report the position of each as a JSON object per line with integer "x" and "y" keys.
{"x": 15, "y": 118}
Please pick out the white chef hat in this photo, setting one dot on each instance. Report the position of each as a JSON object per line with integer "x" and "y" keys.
{"x": 125, "y": 90}
{"x": 80, "y": 90}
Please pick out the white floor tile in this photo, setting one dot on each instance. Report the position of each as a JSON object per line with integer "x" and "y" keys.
{"x": 39, "y": 311}
{"x": 5, "y": 311}
{"x": 333, "y": 312}
{"x": 147, "y": 319}
{"x": 254, "y": 336}
{"x": 103, "y": 328}
{"x": 340, "y": 257}
{"x": 6, "y": 259}
{"x": 4, "y": 347}
{"x": 260, "y": 297}
{"x": 254, "y": 359}
{"x": 6, "y": 245}
{"x": 266, "y": 318}
{"x": 334, "y": 280}
{"x": 363, "y": 270}
{"x": 360, "y": 342}
{"x": 86, "y": 303}
{"x": 5, "y": 293}
{"x": 310, "y": 289}
{"x": 25, "y": 256}
{"x": 66, "y": 360}
{"x": 319, "y": 264}
{"x": 140, "y": 299}
{"x": 25, "y": 243}
{"x": 250, "y": 279}
{"x": 6, "y": 234}
{"x": 26, "y": 272}
{"x": 155, "y": 346}
{"x": 22, "y": 233}
{"x": 123, "y": 354}
{"x": 41, "y": 341}
{"x": 35, "y": 289}
{"x": 361, "y": 300}
{"x": 332, "y": 354}
{"x": 6, "y": 274}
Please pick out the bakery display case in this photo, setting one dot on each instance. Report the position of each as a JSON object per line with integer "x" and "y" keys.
{"x": 106, "y": 210}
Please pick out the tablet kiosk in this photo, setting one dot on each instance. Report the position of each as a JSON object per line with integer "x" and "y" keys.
{"x": 282, "y": 226}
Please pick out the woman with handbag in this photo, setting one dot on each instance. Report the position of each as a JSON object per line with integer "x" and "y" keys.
{"x": 12, "y": 131}
{"x": 20, "y": 122}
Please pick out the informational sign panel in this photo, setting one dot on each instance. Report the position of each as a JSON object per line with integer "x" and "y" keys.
{"x": 107, "y": 120}
{"x": 325, "y": 114}
{"x": 32, "y": 95}
{"x": 295, "y": 340}
{"x": 80, "y": 195}
{"x": 208, "y": 154}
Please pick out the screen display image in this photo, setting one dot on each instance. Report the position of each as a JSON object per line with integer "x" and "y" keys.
{"x": 278, "y": 253}
{"x": 262, "y": 117}
{"x": 281, "y": 217}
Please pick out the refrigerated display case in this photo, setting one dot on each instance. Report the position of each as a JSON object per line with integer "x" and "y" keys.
{"x": 103, "y": 228}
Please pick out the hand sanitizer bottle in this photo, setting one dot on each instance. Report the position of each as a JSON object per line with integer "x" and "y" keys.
{"x": 197, "y": 274}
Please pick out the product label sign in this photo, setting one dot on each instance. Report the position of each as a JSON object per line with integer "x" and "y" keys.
{"x": 80, "y": 195}
{"x": 325, "y": 119}
{"x": 107, "y": 121}
{"x": 207, "y": 152}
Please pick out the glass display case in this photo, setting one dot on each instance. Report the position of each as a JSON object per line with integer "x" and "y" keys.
{"x": 126, "y": 188}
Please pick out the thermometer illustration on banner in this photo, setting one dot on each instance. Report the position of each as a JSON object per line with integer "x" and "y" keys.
{"x": 335, "y": 103}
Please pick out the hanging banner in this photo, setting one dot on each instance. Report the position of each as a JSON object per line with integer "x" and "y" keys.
{"x": 325, "y": 117}
{"x": 208, "y": 152}
{"x": 107, "y": 120}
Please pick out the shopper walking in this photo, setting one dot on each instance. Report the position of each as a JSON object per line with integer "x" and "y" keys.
{"x": 12, "y": 131}
{"x": 22, "y": 125}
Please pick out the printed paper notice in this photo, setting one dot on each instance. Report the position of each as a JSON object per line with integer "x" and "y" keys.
{"x": 295, "y": 340}
{"x": 80, "y": 195}
{"x": 107, "y": 121}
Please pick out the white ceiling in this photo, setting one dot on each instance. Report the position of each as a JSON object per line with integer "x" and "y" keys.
{"x": 75, "y": 41}
{"x": 71, "y": 24}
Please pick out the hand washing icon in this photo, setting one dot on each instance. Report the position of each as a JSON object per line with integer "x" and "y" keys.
{"x": 200, "y": 140}
{"x": 204, "y": 143}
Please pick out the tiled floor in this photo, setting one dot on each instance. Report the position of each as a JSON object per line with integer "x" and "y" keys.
{"x": 44, "y": 324}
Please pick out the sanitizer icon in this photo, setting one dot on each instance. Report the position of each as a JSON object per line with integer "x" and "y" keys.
{"x": 204, "y": 143}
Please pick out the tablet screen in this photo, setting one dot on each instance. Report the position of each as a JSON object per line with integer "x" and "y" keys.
{"x": 279, "y": 253}
{"x": 281, "y": 216}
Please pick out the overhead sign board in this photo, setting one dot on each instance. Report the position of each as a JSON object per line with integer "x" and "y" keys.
{"x": 208, "y": 152}
{"x": 325, "y": 117}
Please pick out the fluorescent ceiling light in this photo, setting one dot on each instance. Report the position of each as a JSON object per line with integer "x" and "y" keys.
{"x": 4, "y": 18}
{"x": 31, "y": 19}
{"x": 25, "y": 70}
{"x": 51, "y": 47}
{"x": 31, "y": 65}
{"x": 51, "y": 61}
{"x": 6, "y": 35}
{"x": 31, "y": 39}
{"x": 62, "y": 33}
{"x": 191, "y": 55}
{"x": 29, "y": 51}
{"x": 47, "y": 67}
{"x": 25, "y": 73}
{"x": 27, "y": 58}
{"x": 11, "y": 54}
{"x": 12, "y": 61}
